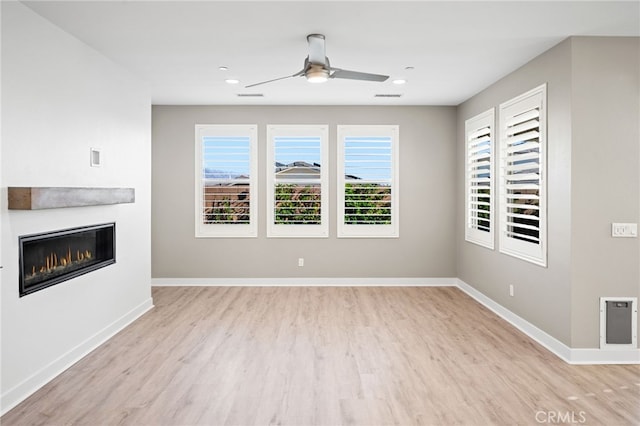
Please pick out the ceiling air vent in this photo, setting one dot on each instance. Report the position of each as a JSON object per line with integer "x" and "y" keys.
{"x": 387, "y": 95}
{"x": 250, "y": 95}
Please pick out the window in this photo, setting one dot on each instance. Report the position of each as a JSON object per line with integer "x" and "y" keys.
{"x": 479, "y": 179}
{"x": 226, "y": 173}
{"x": 297, "y": 181}
{"x": 368, "y": 181}
{"x": 523, "y": 182}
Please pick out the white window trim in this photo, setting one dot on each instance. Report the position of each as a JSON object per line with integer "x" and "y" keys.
{"x": 534, "y": 253}
{"x": 485, "y": 123}
{"x": 369, "y": 231}
{"x": 226, "y": 230}
{"x": 321, "y": 230}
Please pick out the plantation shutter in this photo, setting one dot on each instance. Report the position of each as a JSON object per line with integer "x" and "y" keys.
{"x": 523, "y": 186}
{"x": 479, "y": 179}
{"x": 225, "y": 176}
{"x": 297, "y": 183}
{"x": 367, "y": 179}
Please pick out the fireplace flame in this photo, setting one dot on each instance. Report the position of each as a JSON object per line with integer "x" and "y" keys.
{"x": 53, "y": 263}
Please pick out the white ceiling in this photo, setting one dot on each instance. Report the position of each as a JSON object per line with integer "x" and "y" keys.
{"x": 456, "y": 48}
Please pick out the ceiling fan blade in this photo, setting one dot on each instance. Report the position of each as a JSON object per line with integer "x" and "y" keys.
{"x": 299, "y": 73}
{"x": 356, "y": 75}
{"x": 316, "y": 49}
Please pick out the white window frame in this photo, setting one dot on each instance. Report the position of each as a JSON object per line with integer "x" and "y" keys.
{"x": 275, "y": 230}
{"x": 479, "y": 138}
{"x": 509, "y": 111}
{"x": 391, "y": 230}
{"x": 204, "y": 230}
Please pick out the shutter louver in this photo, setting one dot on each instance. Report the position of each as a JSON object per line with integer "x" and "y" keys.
{"x": 368, "y": 171}
{"x": 522, "y": 176}
{"x": 226, "y": 178}
{"x": 523, "y": 141}
{"x": 297, "y": 168}
{"x": 479, "y": 179}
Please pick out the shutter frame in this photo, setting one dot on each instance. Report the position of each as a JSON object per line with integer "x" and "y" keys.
{"x": 276, "y": 135}
{"x": 523, "y": 199}
{"x": 479, "y": 161}
{"x": 390, "y": 133}
{"x": 222, "y": 228}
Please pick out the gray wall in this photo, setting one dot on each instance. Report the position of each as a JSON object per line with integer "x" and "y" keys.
{"x": 592, "y": 175}
{"x": 542, "y": 296}
{"x": 605, "y": 176}
{"x": 426, "y": 247}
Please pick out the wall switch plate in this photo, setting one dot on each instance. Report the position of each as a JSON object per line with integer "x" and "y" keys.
{"x": 301, "y": 261}
{"x": 511, "y": 290}
{"x": 95, "y": 157}
{"x": 624, "y": 230}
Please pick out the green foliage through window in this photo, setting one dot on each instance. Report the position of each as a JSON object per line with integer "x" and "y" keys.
{"x": 367, "y": 204}
{"x": 297, "y": 204}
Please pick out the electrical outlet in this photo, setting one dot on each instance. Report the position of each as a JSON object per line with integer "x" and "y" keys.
{"x": 301, "y": 261}
{"x": 624, "y": 230}
{"x": 511, "y": 290}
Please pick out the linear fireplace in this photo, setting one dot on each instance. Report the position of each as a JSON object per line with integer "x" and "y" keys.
{"x": 53, "y": 257}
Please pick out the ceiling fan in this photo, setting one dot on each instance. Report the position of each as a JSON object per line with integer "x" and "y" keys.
{"x": 317, "y": 69}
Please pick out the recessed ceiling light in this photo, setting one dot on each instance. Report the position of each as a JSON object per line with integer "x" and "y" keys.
{"x": 232, "y": 81}
{"x": 399, "y": 81}
{"x": 223, "y": 68}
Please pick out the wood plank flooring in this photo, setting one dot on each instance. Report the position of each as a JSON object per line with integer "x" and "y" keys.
{"x": 327, "y": 356}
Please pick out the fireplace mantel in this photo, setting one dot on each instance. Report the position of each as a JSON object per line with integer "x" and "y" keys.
{"x": 38, "y": 198}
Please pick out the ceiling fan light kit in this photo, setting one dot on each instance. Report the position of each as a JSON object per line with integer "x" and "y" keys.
{"x": 318, "y": 70}
{"x": 317, "y": 74}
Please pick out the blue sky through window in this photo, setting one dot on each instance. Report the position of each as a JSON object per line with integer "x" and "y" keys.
{"x": 368, "y": 158}
{"x": 289, "y": 149}
{"x": 226, "y": 157}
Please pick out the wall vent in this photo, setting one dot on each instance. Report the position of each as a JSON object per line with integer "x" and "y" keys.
{"x": 618, "y": 322}
{"x": 250, "y": 95}
{"x": 387, "y": 95}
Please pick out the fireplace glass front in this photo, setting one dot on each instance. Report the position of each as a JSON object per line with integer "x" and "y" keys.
{"x": 53, "y": 257}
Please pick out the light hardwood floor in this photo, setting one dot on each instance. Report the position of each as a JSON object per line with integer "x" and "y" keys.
{"x": 327, "y": 356}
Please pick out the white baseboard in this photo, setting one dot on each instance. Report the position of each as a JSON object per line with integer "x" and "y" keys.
{"x": 20, "y": 392}
{"x": 569, "y": 355}
{"x": 605, "y": 356}
{"x": 304, "y": 282}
